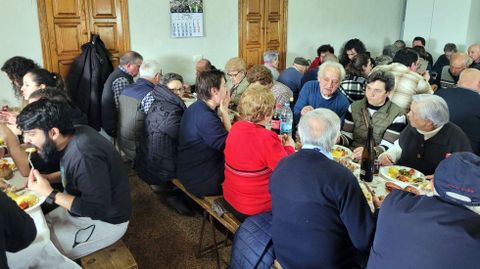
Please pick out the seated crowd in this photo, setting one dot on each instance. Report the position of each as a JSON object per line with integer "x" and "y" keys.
{"x": 422, "y": 114}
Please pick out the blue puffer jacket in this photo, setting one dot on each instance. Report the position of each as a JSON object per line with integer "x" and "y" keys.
{"x": 252, "y": 246}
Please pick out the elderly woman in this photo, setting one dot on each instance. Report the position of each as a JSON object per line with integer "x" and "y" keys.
{"x": 270, "y": 61}
{"x": 428, "y": 139}
{"x": 251, "y": 154}
{"x": 353, "y": 85}
{"x": 236, "y": 70}
{"x": 387, "y": 119}
{"x": 201, "y": 140}
{"x": 260, "y": 75}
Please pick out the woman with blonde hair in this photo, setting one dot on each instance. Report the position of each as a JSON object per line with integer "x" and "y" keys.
{"x": 251, "y": 154}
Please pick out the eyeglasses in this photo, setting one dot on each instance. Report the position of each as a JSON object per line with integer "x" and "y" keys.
{"x": 233, "y": 74}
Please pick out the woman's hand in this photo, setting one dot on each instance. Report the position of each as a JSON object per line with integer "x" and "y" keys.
{"x": 357, "y": 153}
{"x": 385, "y": 159}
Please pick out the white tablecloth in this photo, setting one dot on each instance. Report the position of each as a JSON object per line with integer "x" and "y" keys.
{"x": 41, "y": 253}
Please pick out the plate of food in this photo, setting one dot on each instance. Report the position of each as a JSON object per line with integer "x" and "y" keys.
{"x": 26, "y": 200}
{"x": 402, "y": 174}
{"x": 6, "y": 168}
{"x": 340, "y": 152}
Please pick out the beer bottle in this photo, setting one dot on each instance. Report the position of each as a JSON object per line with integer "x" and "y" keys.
{"x": 368, "y": 157}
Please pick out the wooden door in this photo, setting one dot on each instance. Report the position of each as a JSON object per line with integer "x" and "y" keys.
{"x": 65, "y": 25}
{"x": 262, "y": 26}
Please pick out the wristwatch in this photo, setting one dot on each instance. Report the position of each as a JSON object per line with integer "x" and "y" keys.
{"x": 51, "y": 197}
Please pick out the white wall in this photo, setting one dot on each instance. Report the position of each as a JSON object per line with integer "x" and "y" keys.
{"x": 150, "y": 35}
{"x": 20, "y": 36}
{"x": 313, "y": 23}
{"x": 441, "y": 22}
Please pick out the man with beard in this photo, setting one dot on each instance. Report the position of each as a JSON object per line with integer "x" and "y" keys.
{"x": 95, "y": 208}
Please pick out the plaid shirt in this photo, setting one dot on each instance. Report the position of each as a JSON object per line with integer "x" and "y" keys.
{"x": 146, "y": 103}
{"x": 353, "y": 87}
{"x": 118, "y": 85}
{"x": 281, "y": 92}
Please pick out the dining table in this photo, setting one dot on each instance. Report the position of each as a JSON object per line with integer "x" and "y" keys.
{"x": 41, "y": 253}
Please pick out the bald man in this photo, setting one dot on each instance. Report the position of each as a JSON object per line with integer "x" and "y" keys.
{"x": 200, "y": 66}
{"x": 459, "y": 61}
{"x": 474, "y": 54}
{"x": 463, "y": 102}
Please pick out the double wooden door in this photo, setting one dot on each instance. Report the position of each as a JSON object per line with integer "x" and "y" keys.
{"x": 263, "y": 26}
{"x": 65, "y": 25}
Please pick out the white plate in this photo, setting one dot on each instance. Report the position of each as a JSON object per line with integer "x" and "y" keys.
{"x": 384, "y": 173}
{"x": 349, "y": 153}
{"x": 40, "y": 200}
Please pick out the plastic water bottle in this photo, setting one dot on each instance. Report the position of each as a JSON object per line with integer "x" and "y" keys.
{"x": 286, "y": 119}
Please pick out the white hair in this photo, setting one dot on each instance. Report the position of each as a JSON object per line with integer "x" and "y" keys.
{"x": 320, "y": 127}
{"x": 270, "y": 56}
{"x": 149, "y": 69}
{"x": 332, "y": 64}
{"x": 432, "y": 107}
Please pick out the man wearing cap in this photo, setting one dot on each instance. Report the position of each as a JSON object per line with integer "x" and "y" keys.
{"x": 292, "y": 76}
{"x": 433, "y": 232}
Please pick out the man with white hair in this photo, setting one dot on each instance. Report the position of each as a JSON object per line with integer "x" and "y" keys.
{"x": 429, "y": 137}
{"x": 320, "y": 217}
{"x": 323, "y": 92}
{"x": 270, "y": 60}
{"x": 463, "y": 102}
{"x": 130, "y": 119}
{"x": 432, "y": 232}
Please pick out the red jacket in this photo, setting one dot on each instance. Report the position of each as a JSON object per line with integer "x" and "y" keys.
{"x": 251, "y": 154}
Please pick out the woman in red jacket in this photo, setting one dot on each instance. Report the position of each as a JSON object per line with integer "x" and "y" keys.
{"x": 251, "y": 154}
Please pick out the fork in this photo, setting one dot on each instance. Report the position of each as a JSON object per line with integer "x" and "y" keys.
{"x": 30, "y": 160}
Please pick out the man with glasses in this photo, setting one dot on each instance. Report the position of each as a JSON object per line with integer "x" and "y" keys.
{"x": 407, "y": 81}
{"x": 130, "y": 119}
{"x": 236, "y": 70}
{"x": 117, "y": 81}
{"x": 95, "y": 208}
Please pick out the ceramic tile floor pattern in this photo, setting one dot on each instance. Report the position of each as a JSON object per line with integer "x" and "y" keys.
{"x": 159, "y": 238}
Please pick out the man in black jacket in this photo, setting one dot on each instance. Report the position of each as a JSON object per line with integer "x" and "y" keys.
{"x": 95, "y": 208}
{"x": 117, "y": 81}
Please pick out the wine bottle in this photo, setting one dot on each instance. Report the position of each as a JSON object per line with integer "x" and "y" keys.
{"x": 368, "y": 158}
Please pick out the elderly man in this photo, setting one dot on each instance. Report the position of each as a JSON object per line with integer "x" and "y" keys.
{"x": 474, "y": 54}
{"x": 449, "y": 76}
{"x": 95, "y": 208}
{"x": 463, "y": 102}
{"x": 428, "y": 139}
{"x": 130, "y": 118}
{"x": 117, "y": 81}
{"x": 237, "y": 83}
{"x": 436, "y": 232}
{"x": 320, "y": 217}
{"x": 270, "y": 60}
{"x": 407, "y": 81}
{"x": 323, "y": 92}
{"x": 292, "y": 76}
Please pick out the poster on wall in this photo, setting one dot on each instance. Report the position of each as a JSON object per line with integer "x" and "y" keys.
{"x": 186, "y": 18}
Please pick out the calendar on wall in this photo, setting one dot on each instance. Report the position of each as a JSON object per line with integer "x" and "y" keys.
{"x": 186, "y": 18}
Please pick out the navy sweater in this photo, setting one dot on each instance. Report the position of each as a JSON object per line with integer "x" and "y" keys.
{"x": 424, "y": 232}
{"x": 320, "y": 217}
{"x": 200, "y": 150}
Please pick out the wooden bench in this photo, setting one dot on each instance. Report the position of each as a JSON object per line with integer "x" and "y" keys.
{"x": 227, "y": 220}
{"x": 116, "y": 256}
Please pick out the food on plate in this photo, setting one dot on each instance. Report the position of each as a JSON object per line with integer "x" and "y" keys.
{"x": 5, "y": 171}
{"x": 27, "y": 200}
{"x": 353, "y": 167}
{"x": 10, "y": 163}
{"x": 404, "y": 175}
{"x": 339, "y": 152}
{"x": 412, "y": 190}
{"x": 366, "y": 193}
{"x": 390, "y": 186}
{"x": 426, "y": 186}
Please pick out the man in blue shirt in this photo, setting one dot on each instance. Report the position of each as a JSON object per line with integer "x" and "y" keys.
{"x": 324, "y": 92}
{"x": 292, "y": 76}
